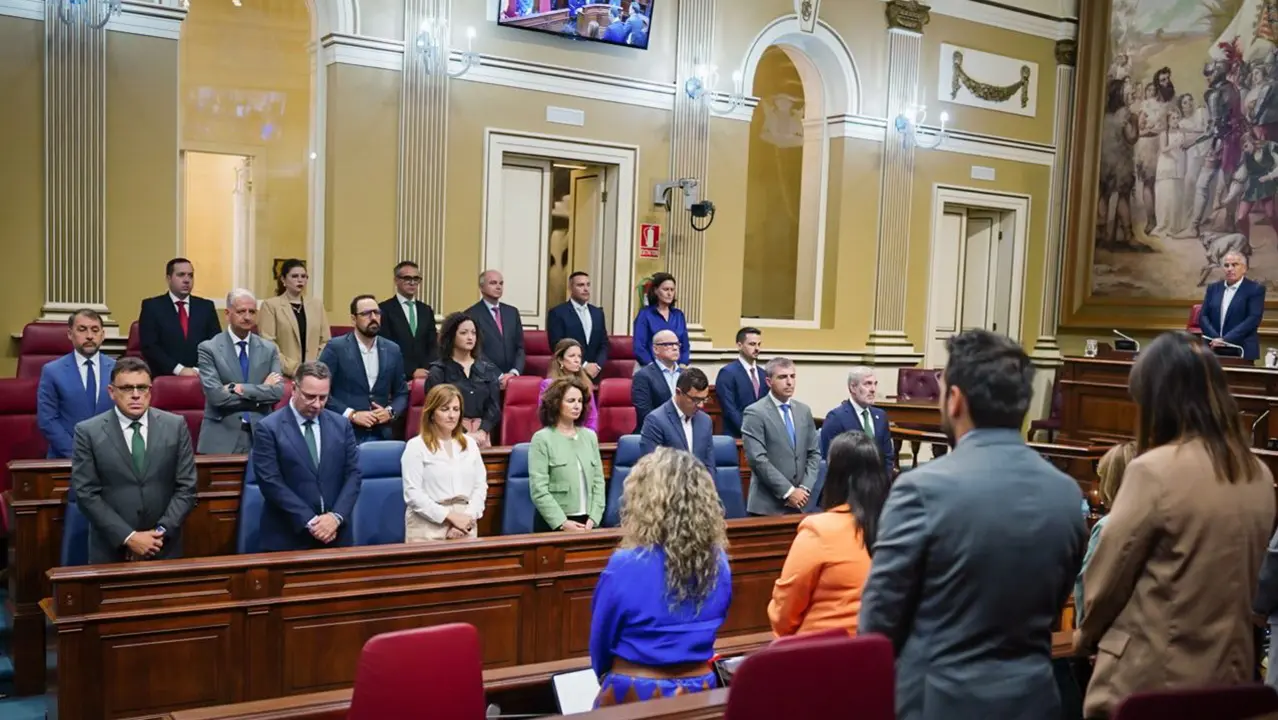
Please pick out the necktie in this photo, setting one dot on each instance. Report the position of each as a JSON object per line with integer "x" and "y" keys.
{"x": 90, "y": 385}
{"x": 183, "y": 319}
{"x": 583, "y": 312}
{"x": 310, "y": 442}
{"x": 867, "y": 425}
{"x": 138, "y": 448}
{"x": 754, "y": 381}
{"x": 411, "y": 307}
{"x": 497, "y": 319}
{"x": 789, "y": 423}
{"x": 244, "y": 358}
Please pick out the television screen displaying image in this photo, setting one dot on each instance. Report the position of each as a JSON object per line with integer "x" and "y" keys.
{"x": 616, "y": 22}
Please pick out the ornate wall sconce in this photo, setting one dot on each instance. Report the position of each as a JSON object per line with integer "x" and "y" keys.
{"x": 908, "y": 122}
{"x": 700, "y": 86}
{"x": 433, "y": 48}
{"x": 83, "y": 12}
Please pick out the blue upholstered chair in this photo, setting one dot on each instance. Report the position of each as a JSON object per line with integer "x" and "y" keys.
{"x": 75, "y": 535}
{"x": 249, "y": 478}
{"x": 378, "y": 517}
{"x": 727, "y": 476}
{"x": 517, "y": 511}
{"x": 629, "y": 450}
{"x": 250, "y": 519}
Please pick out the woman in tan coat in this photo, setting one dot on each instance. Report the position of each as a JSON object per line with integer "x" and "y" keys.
{"x": 1168, "y": 592}
{"x": 288, "y": 317}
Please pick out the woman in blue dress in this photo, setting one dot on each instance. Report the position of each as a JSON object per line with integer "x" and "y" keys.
{"x": 660, "y": 314}
{"x": 666, "y": 590}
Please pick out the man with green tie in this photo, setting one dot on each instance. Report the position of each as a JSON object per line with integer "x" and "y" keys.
{"x": 858, "y": 413}
{"x": 410, "y": 323}
{"x": 133, "y": 472}
{"x": 306, "y": 462}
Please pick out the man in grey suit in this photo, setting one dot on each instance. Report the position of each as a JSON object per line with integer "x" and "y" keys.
{"x": 977, "y": 552}
{"x": 133, "y": 472}
{"x": 240, "y": 374}
{"x": 781, "y": 446}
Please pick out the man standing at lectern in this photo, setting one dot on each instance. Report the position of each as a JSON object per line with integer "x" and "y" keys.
{"x": 1233, "y": 307}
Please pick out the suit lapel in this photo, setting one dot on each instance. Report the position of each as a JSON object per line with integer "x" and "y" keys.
{"x": 294, "y": 434}
{"x": 356, "y": 356}
{"x": 673, "y": 414}
{"x": 290, "y": 319}
{"x": 259, "y": 358}
{"x": 155, "y": 439}
{"x": 397, "y": 316}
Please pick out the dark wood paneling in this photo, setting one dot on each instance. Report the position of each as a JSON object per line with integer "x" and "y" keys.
{"x": 263, "y": 626}
{"x": 35, "y": 539}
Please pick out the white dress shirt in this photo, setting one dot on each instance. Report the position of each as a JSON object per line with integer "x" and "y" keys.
{"x": 686, "y": 422}
{"x": 82, "y": 364}
{"x": 126, "y": 421}
{"x": 235, "y": 344}
{"x": 301, "y": 419}
{"x": 1226, "y": 298}
{"x": 433, "y": 478}
{"x": 583, "y": 312}
{"x": 368, "y": 353}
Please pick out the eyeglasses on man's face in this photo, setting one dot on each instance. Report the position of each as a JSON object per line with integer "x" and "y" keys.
{"x": 133, "y": 389}
{"x": 410, "y": 278}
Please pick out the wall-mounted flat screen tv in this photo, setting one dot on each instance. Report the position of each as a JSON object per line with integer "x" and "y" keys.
{"x": 616, "y": 22}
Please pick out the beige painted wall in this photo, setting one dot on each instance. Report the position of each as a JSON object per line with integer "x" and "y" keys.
{"x": 21, "y": 180}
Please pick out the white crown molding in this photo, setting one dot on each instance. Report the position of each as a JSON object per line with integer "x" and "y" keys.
{"x": 152, "y": 20}
{"x": 25, "y": 9}
{"x": 992, "y": 146}
{"x": 362, "y": 50}
{"x": 860, "y": 127}
{"x": 573, "y": 82}
{"x": 1008, "y": 18}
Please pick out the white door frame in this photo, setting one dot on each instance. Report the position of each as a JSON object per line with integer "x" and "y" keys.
{"x": 498, "y": 143}
{"x": 1015, "y": 203}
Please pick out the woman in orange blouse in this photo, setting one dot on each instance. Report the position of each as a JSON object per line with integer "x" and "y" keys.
{"x": 820, "y": 585}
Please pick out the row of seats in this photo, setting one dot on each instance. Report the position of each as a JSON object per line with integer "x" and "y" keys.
{"x": 44, "y": 342}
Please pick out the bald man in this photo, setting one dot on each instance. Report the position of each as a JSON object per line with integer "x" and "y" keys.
{"x": 1233, "y": 308}
{"x": 500, "y": 328}
{"x": 654, "y": 384}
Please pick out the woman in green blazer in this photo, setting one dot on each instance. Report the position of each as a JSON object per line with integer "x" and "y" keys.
{"x": 564, "y": 468}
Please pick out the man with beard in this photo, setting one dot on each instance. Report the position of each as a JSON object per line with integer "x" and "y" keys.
{"x": 368, "y": 385}
{"x": 977, "y": 552}
{"x": 1224, "y": 132}
{"x": 74, "y": 387}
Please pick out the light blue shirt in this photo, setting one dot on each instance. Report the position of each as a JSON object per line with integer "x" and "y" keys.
{"x": 671, "y": 376}
{"x": 301, "y": 427}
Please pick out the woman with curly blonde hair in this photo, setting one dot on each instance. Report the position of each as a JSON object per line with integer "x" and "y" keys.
{"x": 665, "y": 592}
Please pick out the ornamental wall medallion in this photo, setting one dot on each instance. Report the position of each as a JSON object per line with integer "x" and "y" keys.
{"x": 984, "y": 80}
{"x": 808, "y": 11}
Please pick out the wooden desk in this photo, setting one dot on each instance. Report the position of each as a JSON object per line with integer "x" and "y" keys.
{"x": 148, "y": 638}
{"x": 334, "y": 704}
{"x": 1097, "y": 402}
{"x": 916, "y": 415}
{"x": 35, "y": 537}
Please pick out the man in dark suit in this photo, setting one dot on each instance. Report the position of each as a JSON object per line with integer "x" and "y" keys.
{"x": 133, "y": 473}
{"x": 1233, "y": 308}
{"x": 74, "y": 387}
{"x": 410, "y": 323}
{"x": 858, "y": 413}
{"x": 306, "y": 461}
{"x": 240, "y": 376}
{"x": 499, "y": 326}
{"x": 654, "y": 384}
{"x": 680, "y": 423}
{"x": 977, "y": 552}
{"x": 581, "y": 321}
{"x": 172, "y": 326}
{"x": 368, "y": 386}
{"x": 781, "y": 446}
{"x": 741, "y": 383}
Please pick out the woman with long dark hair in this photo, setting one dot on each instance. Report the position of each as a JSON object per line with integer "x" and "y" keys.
{"x": 296, "y": 324}
{"x": 1167, "y": 594}
{"x": 479, "y": 381}
{"x": 820, "y": 585}
{"x": 660, "y": 314}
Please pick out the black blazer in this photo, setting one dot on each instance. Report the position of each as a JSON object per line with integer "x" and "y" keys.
{"x": 163, "y": 346}
{"x": 419, "y": 350}
{"x": 480, "y": 391}
{"x": 503, "y": 349}
{"x": 563, "y": 322}
{"x": 648, "y": 391}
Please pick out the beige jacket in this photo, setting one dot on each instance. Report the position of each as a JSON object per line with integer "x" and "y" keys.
{"x": 1167, "y": 594}
{"x": 276, "y": 322}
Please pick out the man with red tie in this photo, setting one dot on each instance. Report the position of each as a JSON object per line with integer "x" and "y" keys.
{"x": 500, "y": 329}
{"x": 172, "y": 326}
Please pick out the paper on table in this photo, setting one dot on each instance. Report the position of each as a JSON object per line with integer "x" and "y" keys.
{"x": 575, "y": 691}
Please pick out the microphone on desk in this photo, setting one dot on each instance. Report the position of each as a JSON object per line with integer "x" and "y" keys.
{"x": 494, "y": 712}
{"x": 1127, "y": 344}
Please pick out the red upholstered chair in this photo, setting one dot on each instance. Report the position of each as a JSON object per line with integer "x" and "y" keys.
{"x": 918, "y": 385}
{"x": 838, "y": 670}
{"x": 1052, "y": 423}
{"x": 434, "y": 672}
{"x": 41, "y": 342}
{"x": 1226, "y": 703}
{"x": 519, "y": 410}
{"x": 537, "y": 354}
{"x": 20, "y": 439}
{"x": 339, "y": 330}
{"x": 416, "y": 402}
{"x": 181, "y": 395}
{"x": 616, "y": 410}
{"x": 1194, "y": 312}
{"x": 288, "y": 394}
{"x": 133, "y": 348}
{"x": 621, "y": 358}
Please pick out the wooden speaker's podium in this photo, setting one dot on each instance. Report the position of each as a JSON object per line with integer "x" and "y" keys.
{"x": 1105, "y": 351}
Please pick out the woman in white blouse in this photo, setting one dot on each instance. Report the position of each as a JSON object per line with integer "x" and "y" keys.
{"x": 445, "y": 482}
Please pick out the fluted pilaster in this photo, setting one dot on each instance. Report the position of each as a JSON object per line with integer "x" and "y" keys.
{"x": 690, "y": 153}
{"x": 905, "y": 42}
{"x": 423, "y": 140}
{"x": 1046, "y": 351}
{"x": 75, "y": 160}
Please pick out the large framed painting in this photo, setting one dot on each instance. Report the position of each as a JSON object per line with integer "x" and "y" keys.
{"x": 1175, "y": 157}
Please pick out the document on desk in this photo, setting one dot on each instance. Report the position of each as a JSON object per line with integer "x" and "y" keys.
{"x": 575, "y": 691}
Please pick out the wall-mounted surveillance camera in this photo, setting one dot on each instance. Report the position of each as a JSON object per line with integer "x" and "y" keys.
{"x": 691, "y": 200}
